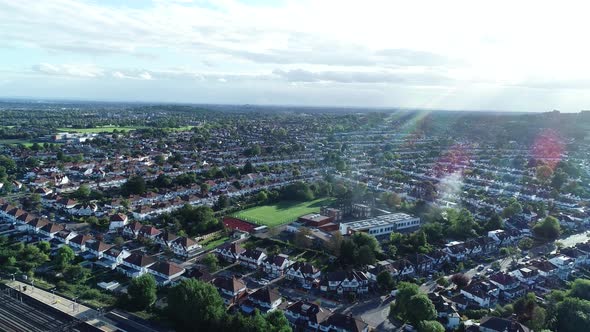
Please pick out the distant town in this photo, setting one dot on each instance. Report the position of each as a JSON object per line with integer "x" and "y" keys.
{"x": 147, "y": 217}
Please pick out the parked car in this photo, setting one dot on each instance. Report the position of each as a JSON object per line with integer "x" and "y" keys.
{"x": 480, "y": 267}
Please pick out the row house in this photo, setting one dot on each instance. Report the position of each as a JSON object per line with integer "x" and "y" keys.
{"x": 35, "y": 225}
{"x": 385, "y": 265}
{"x": 79, "y": 242}
{"x": 404, "y": 268}
{"x": 306, "y": 316}
{"x": 165, "y": 272}
{"x": 231, "y": 289}
{"x": 484, "y": 293}
{"x": 422, "y": 263}
{"x": 343, "y": 323}
{"x": 98, "y": 248}
{"x": 526, "y": 275}
{"x": 132, "y": 230}
{"x": 341, "y": 281}
{"x": 65, "y": 236}
{"x": 578, "y": 256}
{"x": 544, "y": 267}
{"x": 136, "y": 265}
{"x": 117, "y": 221}
{"x": 565, "y": 265}
{"x": 275, "y": 265}
{"x": 510, "y": 287}
{"x": 149, "y": 232}
{"x": 51, "y": 229}
{"x": 252, "y": 258}
{"x": 304, "y": 273}
{"x": 230, "y": 252}
{"x": 113, "y": 257}
{"x": 456, "y": 250}
{"x": 184, "y": 246}
{"x": 264, "y": 299}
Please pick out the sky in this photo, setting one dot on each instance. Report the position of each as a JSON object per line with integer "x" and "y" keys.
{"x": 465, "y": 55}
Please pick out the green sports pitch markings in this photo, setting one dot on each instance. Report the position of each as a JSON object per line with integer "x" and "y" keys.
{"x": 282, "y": 212}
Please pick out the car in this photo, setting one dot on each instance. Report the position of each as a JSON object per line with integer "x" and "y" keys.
{"x": 477, "y": 276}
{"x": 480, "y": 267}
{"x": 490, "y": 270}
{"x": 527, "y": 257}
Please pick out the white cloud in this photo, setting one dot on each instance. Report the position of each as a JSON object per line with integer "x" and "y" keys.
{"x": 452, "y": 44}
{"x": 74, "y": 70}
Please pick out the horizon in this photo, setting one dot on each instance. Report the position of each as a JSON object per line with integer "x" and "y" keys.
{"x": 57, "y": 100}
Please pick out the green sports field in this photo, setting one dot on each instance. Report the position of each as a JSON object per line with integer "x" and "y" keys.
{"x": 16, "y": 141}
{"x": 282, "y": 212}
{"x": 105, "y": 129}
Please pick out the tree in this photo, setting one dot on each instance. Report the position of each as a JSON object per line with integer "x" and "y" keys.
{"x": 221, "y": 203}
{"x": 420, "y": 308}
{"x": 460, "y": 279}
{"x": 494, "y": 223}
{"x": 278, "y": 322}
{"x": 335, "y": 243}
{"x": 405, "y": 291}
{"x": 194, "y": 303}
{"x": 83, "y": 191}
{"x": 65, "y": 255}
{"x": 385, "y": 281}
{"x": 526, "y": 243}
{"x": 513, "y": 208}
{"x": 547, "y": 229}
{"x": 44, "y": 246}
{"x": 544, "y": 173}
{"x": 135, "y": 185}
{"x": 365, "y": 255}
{"x": 262, "y": 196}
{"x": 76, "y": 274}
{"x": 142, "y": 291}
{"x": 302, "y": 238}
{"x": 430, "y": 326}
{"x": 580, "y": 288}
{"x": 211, "y": 261}
{"x": 573, "y": 315}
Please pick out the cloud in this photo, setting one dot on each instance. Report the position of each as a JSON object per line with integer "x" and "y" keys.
{"x": 84, "y": 71}
{"x": 413, "y": 78}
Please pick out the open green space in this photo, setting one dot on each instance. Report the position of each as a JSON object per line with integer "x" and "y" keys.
{"x": 104, "y": 129}
{"x": 282, "y": 212}
{"x": 214, "y": 242}
{"x": 110, "y": 129}
{"x": 16, "y": 141}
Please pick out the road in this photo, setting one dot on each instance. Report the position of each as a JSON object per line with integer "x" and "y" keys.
{"x": 374, "y": 312}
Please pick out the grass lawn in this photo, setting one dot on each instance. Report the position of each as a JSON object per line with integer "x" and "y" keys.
{"x": 214, "y": 243}
{"x": 282, "y": 212}
{"x": 105, "y": 129}
{"x": 110, "y": 129}
{"x": 16, "y": 141}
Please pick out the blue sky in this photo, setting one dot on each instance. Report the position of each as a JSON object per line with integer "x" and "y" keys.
{"x": 501, "y": 55}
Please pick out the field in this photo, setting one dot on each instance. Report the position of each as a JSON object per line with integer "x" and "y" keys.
{"x": 15, "y": 141}
{"x": 105, "y": 129}
{"x": 110, "y": 129}
{"x": 282, "y": 212}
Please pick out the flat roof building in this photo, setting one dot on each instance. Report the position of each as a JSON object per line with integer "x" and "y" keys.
{"x": 381, "y": 225}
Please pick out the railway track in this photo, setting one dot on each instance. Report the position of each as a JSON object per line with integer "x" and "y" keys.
{"x": 16, "y": 316}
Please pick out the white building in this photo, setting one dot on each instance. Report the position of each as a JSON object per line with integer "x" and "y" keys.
{"x": 381, "y": 225}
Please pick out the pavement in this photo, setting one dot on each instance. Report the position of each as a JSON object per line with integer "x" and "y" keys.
{"x": 374, "y": 312}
